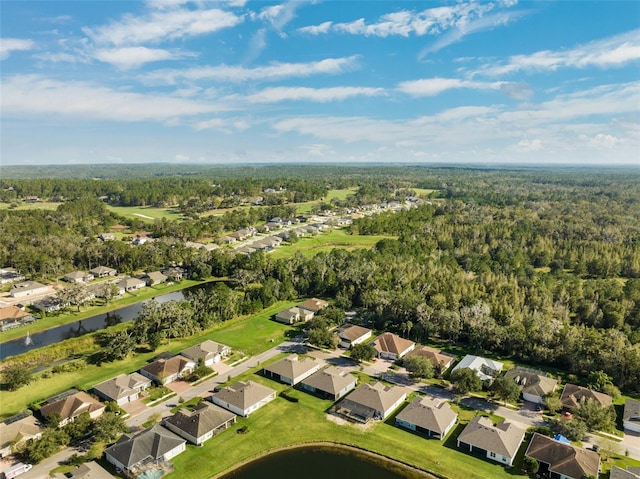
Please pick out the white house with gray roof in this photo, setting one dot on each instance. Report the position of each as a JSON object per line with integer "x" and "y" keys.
{"x": 499, "y": 442}
{"x": 631, "y": 415}
{"x": 292, "y": 369}
{"x": 243, "y": 397}
{"x": 368, "y": 402}
{"x": 332, "y": 383}
{"x": 201, "y": 423}
{"x": 486, "y": 369}
{"x": 123, "y": 388}
{"x": 428, "y": 415}
{"x": 209, "y": 351}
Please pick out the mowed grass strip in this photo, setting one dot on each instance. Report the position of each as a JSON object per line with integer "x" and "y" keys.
{"x": 145, "y": 213}
{"x": 37, "y": 205}
{"x": 323, "y": 242}
{"x": 252, "y": 335}
{"x": 282, "y": 423}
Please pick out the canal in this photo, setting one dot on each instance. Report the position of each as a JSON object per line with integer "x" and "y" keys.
{"x": 79, "y": 328}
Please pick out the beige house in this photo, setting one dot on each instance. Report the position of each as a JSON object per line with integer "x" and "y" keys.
{"x": 392, "y": 346}
{"x": 498, "y": 442}
{"x": 368, "y": 402}
{"x": 78, "y": 277}
{"x": 164, "y": 371}
{"x": 535, "y": 385}
{"x": 291, "y": 369}
{"x": 201, "y": 423}
{"x": 103, "y": 272}
{"x": 71, "y": 406}
{"x": 123, "y": 388}
{"x": 17, "y": 429}
{"x": 209, "y": 351}
{"x": 28, "y": 288}
{"x": 331, "y": 383}
{"x": 293, "y": 315}
{"x": 351, "y": 334}
{"x": 441, "y": 361}
{"x": 429, "y": 416}
{"x": 573, "y": 395}
{"x": 563, "y": 460}
{"x": 243, "y": 398}
{"x": 314, "y": 305}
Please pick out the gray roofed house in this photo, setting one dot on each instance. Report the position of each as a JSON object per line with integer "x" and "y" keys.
{"x": 128, "y": 285}
{"x": 10, "y": 275}
{"x": 17, "y": 429}
{"x": 313, "y": 304}
{"x": 351, "y": 334}
{"x": 332, "y": 383}
{"x": 628, "y": 473}
{"x": 164, "y": 371}
{"x": 243, "y": 397}
{"x": 293, "y": 315}
{"x": 486, "y": 369}
{"x": 201, "y": 423}
{"x": 291, "y": 369}
{"x": 89, "y": 470}
{"x": 573, "y": 395}
{"x": 69, "y": 407}
{"x": 631, "y": 415}
{"x": 123, "y": 388}
{"x": 154, "y": 277}
{"x": 48, "y": 304}
{"x": 103, "y": 271}
{"x": 499, "y": 443}
{"x": 368, "y": 402}
{"x": 209, "y": 351}
{"x": 153, "y": 445}
{"x": 561, "y": 459}
{"x": 27, "y": 288}
{"x": 535, "y": 385}
{"x": 429, "y": 416}
{"x": 392, "y": 346}
{"x": 78, "y": 277}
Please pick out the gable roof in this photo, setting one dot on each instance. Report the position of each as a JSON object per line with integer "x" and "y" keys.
{"x": 391, "y": 343}
{"x": 314, "y": 304}
{"x": 153, "y": 442}
{"x": 631, "y": 410}
{"x": 205, "y": 350}
{"x": 89, "y": 470}
{"x": 27, "y": 286}
{"x": 244, "y": 394}
{"x": 504, "y": 438}
{"x": 102, "y": 270}
{"x": 563, "y": 458}
{"x": 76, "y": 275}
{"x": 121, "y": 386}
{"x": 156, "y": 276}
{"x": 532, "y": 382}
{"x": 629, "y": 473}
{"x": 331, "y": 380}
{"x": 292, "y": 367}
{"x": 127, "y": 283}
{"x": 18, "y": 429}
{"x": 429, "y": 413}
{"x": 71, "y": 406}
{"x": 480, "y": 365}
{"x": 573, "y": 394}
{"x": 352, "y": 331}
{"x": 377, "y": 397}
{"x": 12, "y": 313}
{"x": 162, "y": 368}
{"x": 204, "y": 418}
{"x": 435, "y": 356}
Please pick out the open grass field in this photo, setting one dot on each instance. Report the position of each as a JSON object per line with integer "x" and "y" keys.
{"x": 38, "y": 205}
{"x": 145, "y": 213}
{"x": 423, "y": 191}
{"x": 337, "y": 238}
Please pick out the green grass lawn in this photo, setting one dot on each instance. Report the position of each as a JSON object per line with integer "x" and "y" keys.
{"x": 340, "y": 194}
{"x": 70, "y": 315}
{"x": 145, "y": 213}
{"x": 337, "y": 238}
{"x": 39, "y": 205}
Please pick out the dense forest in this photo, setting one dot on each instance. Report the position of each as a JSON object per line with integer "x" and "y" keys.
{"x": 543, "y": 266}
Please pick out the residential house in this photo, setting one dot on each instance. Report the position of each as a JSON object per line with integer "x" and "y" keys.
{"x": 535, "y": 385}
{"x": 12, "y": 316}
{"x": 351, "y": 334}
{"x": 78, "y": 277}
{"x": 174, "y": 272}
{"x": 140, "y": 239}
{"x": 429, "y": 416}
{"x": 499, "y": 443}
{"x": 561, "y": 460}
{"x": 573, "y": 395}
{"x": 243, "y": 398}
{"x": 153, "y": 278}
{"x": 208, "y": 351}
{"x": 631, "y": 415}
{"x": 103, "y": 272}
{"x": 486, "y": 369}
{"x": 201, "y": 423}
{"x": 129, "y": 285}
{"x": 154, "y": 445}
{"x": 164, "y": 371}
{"x": 368, "y": 402}
{"x": 291, "y": 369}
{"x": 123, "y": 388}
{"x": 49, "y": 304}
{"x": 10, "y": 275}
{"x": 70, "y": 406}
{"x": 293, "y": 315}
{"x": 89, "y": 470}
{"x": 18, "y": 429}
{"x": 314, "y": 304}
{"x": 107, "y": 236}
{"x": 246, "y": 250}
{"x": 441, "y": 361}
{"x": 628, "y": 473}
{"x": 331, "y": 383}
{"x": 28, "y": 288}
{"x": 392, "y": 346}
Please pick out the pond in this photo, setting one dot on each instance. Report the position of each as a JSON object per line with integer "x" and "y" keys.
{"x": 323, "y": 462}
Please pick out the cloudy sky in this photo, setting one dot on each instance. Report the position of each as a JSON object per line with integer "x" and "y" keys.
{"x": 320, "y": 81}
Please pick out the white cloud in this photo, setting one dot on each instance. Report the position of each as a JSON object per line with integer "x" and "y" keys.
{"x": 277, "y": 94}
{"x": 33, "y": 95}
{"x": 529, "y": 145}
{"x": 8, "y": 45}
{"x": 223, "y": 125}
{"x": 435, "y": 86}
{"x": 274, "y": 71}
{"x": 605, "y": 53}
{"x": 134, "y": 57}
{"x": 603, "y": 141}
{"x": 517, "y": 91}
{"x": 316, "y": 29}
{"x": 162, "y": 25}
{"x": 182, "y": 158}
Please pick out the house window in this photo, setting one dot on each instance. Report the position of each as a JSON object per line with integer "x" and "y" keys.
{"x": 492, "y": 454}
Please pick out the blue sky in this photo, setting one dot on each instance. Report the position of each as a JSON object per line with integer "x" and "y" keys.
{"x": 320, "y": 81}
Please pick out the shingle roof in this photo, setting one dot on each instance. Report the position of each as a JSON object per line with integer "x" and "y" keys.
{"x": 18, "y": 430}
{"x": 205, "y": 350}
{"x": 121, "y": 386}
{"x": 313, "y": 304}
{"x": 572, "y": 395}
{"x": 153, "y": 442}
{"x": 629, "y": 473}
{"x": 163, "y": 368}
{"x": 377, "y": 397}
{"x": 331, "y": 380}
{"x": 532, "y": 382}
{"x": 12, "y": 312}
{"x": 76, "y": 275}
{"x": 479, "y": 365}
{"x": 292, "y": 367}
{"x": 391, "y": 343}
{"x": 436, "y": 357}
{"x": 204, "y": 418}
{"x": 127, "y": 283}
{"x": 27, "y": 286}
{"x": 563, "y": 458}
{"x": 89, "y": 470}
{"x": 504, "y": 438}
{"x": 429, "y": 413}
{"x": 102, "y": 270}
{"x": 244, "y": 394}
{"x": 72, "y": 406}
{"x": 353, "y": 331}
{"x": 157, "y": 276}
{"x": 631, "y": 410}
